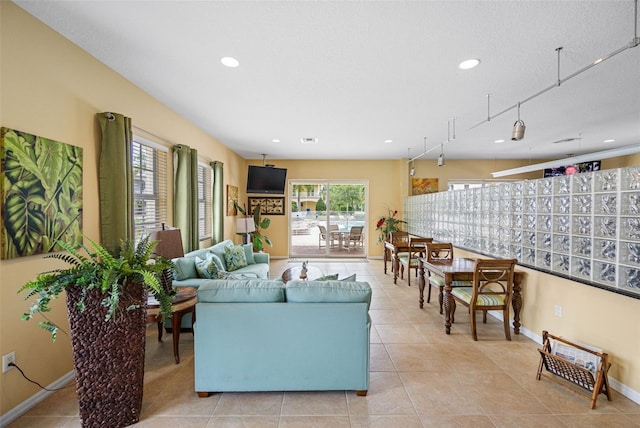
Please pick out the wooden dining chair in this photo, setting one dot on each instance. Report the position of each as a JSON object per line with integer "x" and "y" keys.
{"x": 408, "y": 260}
{"x": 395, "y": 239}
{"x": 491, "y": 290}
{"x": 441, "y": 252}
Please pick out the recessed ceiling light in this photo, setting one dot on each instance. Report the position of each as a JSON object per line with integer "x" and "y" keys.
{"x": 388, "y": 141}
{"x": 499, "y": 141}
{"x": 609, "y": 141}
{"x": 470, "y": 63}
{"x": 275, "y": 141}
{"x": 229, "y": 61}
{"x": 309, "y": 140}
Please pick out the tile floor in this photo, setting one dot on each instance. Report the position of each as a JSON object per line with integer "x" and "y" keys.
{"x": 420, "y": 377}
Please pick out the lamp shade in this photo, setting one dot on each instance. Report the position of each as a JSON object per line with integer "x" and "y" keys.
{"x": 170, "y": 245}
{"x": 245, "y": 225}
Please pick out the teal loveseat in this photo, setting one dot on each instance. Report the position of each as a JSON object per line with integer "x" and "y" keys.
{"x": 260, "y": 335}
{"x": 186, "y": 274}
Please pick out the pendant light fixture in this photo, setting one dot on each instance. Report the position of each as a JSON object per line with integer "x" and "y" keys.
{"x": 518, "y": 128}
{"x": 441, "y": 157}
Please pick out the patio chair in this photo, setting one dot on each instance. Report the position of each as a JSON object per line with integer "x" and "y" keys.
{"x": 323, "y": 236}
{"x": 356, "y": 237}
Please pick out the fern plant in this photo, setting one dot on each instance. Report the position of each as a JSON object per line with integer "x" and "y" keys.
{"x": 96, "y": 269}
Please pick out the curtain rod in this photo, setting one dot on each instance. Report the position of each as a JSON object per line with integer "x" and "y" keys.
{"x": 154, "y": 135}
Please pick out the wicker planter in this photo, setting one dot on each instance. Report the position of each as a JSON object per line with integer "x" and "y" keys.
{"x": 108, "y": 357}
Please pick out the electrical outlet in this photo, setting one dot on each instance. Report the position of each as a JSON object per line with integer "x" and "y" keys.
{"x": 7, "y": 359}
{"x": 559, "y": 311}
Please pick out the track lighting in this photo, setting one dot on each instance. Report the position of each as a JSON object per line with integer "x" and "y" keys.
{"x": 441, "y": 157}
{"x": 412, "y": 171}
{"x": 518, "y": 128}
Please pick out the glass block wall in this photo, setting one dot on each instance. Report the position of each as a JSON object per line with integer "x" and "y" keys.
{"x": 585, "y": 226}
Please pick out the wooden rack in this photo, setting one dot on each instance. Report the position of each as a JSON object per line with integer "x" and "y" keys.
{"x": 572, "y": 372}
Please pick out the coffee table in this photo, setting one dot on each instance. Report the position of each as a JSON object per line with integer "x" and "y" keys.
{"x": 294, "y": 273}
{"x": 184, "y": 303}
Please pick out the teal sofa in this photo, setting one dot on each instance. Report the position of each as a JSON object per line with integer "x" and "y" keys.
{"x": 186, "y": 275}
{"x": 261, "y": 335}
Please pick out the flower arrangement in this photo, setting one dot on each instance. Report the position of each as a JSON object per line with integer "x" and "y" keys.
{"x": 388, "y": 224}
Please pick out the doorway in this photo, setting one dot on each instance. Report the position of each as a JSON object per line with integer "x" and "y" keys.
{"x": 327, "y": 219}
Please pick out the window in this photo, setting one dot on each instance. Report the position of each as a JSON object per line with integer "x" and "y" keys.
{"x": 204, "y": 201}
{"x": 149, "y": 163}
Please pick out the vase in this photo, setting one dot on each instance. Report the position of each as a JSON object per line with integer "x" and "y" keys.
{"x": 108, "y": 356}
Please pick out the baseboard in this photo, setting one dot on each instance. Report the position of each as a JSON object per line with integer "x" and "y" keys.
{"x": 35, "y": 399}
{"x": 623, "y": 389}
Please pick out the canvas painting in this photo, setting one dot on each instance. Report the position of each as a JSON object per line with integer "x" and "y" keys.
{"x": 420, "y": 186}
{"x": 41, "y": 187}
{"x": 232, "y": 196}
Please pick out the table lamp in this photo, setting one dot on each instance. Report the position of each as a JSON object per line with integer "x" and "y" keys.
{"x": 245, "y": 225}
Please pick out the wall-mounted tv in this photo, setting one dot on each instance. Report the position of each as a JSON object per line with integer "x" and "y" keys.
{"x": 266, "y": 180}
{"x": 572, "y": 169}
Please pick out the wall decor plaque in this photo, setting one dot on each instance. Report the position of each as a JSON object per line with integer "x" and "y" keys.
{"x": 269, "y": 205}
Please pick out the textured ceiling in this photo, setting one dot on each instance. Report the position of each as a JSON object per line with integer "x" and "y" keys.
{"x": 354, "y": 74}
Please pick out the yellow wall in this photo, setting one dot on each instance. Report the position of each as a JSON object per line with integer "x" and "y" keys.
{"x": 50, "y": 87}
{"x": 53, "y": 89}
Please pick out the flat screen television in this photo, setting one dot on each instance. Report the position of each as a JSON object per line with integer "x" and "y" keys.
{"x": 572, "y": 169}
{"x": 266, "y": 180}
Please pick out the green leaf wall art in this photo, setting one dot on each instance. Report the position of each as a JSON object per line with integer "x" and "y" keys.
{"x": 41, "y": 187}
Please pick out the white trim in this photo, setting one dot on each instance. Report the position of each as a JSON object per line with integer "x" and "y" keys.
{"x": 145, "y": 142}
{"x": 35, "y": 399}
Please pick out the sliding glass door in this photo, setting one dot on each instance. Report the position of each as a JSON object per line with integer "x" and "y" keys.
{"x": 327, "y": 219}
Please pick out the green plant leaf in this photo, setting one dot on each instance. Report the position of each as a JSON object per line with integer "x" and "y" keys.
{"x": 25, "y": 226}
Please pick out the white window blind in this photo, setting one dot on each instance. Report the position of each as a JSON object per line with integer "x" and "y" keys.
{"x": 204, "y": 201}
{"x": 149, "y": 187}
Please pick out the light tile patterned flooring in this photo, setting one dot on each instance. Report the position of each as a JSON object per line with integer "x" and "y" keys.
{"x": 420, "y": 377}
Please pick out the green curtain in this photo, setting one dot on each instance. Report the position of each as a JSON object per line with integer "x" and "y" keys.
{"x": 218, "y": 202}
{"x": 185, "y": 190}
{"x": 115, "y": 182}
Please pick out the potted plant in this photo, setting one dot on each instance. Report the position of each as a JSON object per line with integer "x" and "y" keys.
{"x": 388, "y": 224}
{"x": 260, "y": 223}
{"x": 106, "y": 304}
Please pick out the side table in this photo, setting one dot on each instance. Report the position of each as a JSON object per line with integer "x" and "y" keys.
{"x": 184, "y": 303}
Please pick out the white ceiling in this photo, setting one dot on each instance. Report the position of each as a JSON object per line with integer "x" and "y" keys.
{"x": 356, "y": 73}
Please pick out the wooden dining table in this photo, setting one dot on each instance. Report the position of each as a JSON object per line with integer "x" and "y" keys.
{"x": 461, "y": 269}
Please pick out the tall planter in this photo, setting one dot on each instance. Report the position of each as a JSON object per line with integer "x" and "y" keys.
{"x": 108, "y": 356}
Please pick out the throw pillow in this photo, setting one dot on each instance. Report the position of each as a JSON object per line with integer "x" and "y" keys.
{"x": 206, "y": 268}
{"x": 327, "y": 278}
{"x": 248, "y": 252}
{"x": 217, "y": 261}
{"x": 184, "y": 268}
{"x": 235, "y": 258}
{"x": 349, "y": 278}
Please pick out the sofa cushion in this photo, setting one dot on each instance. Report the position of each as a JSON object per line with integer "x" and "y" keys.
{"x": 248, "y": 252}
{"x": 241, "y": 291}
{"x": 185, "y": 268}
{"x": 207, "y": 268}
{"x": 328, "y": 292}
{"x": 349, "y": 278}
{"x": 235, "y": 258}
